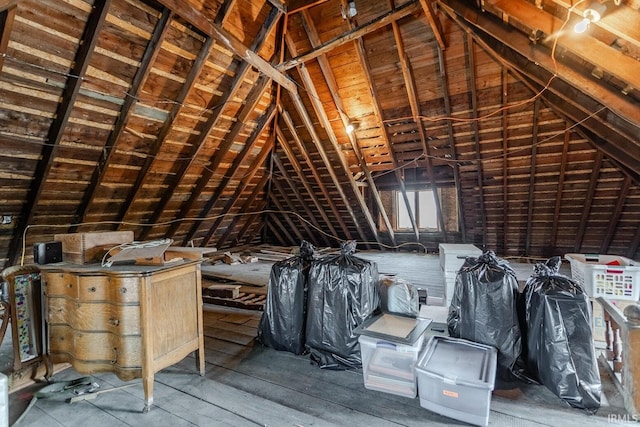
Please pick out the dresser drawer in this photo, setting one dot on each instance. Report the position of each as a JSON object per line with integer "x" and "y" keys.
{"x": 95, "y": 317}
{"x": 96, "y": 346}
{"x": 93, "y": 288}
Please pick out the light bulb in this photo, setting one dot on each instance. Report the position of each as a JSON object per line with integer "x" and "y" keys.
{"x": 582, "y": 26}
{"x": 350, "y": 128}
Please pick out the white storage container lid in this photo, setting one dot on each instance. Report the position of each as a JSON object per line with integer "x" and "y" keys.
{"x": 393, "y": 328}
{"x": 459, "y": 361}
{"x": 463, "y": 248}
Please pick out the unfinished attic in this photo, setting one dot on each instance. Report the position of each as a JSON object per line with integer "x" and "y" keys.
{"x": 224, "y": 126}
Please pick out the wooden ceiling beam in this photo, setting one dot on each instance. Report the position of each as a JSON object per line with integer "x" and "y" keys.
{"x": 405, "y": 10}
{"x": 294, "y": 6}
{"x": 625, "y": 111}
{"x": 471, "y": 78}
{"x": 412, "y": 93}
{"x": 314, "y": 170}
{"x": 273, "y": 222}
{"x": 234, "y": 171}
{"x": 6, "y": 25}
{"x": 195, "y": 18}
{"x": 559, "y": 192}
{"x": 615, "y": 215}
{"x": 588, "y": 202}
{"x": 301, "y": 176}
{"x": 532, "y": 176}
{"x": 595, "y": 107}
{"x": 329, "y": 77}
{"x": 621, "y": 21}
{"x": 86, "y": 47}
{"x": 212, "y": 122}
{"x": 434, "y": 22}
{"x": 302, "y": 202}
{"x": 246, "y": 206}
{"x": 285, "y": 213}
{"x": 148, "y": 59}
{"x": 449, "y": 112}
{"x": 505, "y": 161}
{"x": 8, "y": 4}
{"x": 585, "y": 47}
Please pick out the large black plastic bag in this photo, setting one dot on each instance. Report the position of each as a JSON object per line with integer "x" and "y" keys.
{"x": 282, "y": 325}
{"x": 484, "y": 310}
{"x": 343, "y": 293}
{"x": 561, "y": 352}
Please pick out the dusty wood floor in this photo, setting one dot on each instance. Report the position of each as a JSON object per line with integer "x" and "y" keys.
{"x": 247, "y": 384}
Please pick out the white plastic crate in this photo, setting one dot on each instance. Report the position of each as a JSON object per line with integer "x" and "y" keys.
{"x": 600, "y": 279}
{"x": 453, "y": 255}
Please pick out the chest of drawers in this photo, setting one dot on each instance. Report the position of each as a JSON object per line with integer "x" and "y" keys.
{"x": 130, "y": 320}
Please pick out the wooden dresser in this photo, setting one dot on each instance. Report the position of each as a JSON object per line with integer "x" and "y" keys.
{"x": 131, "y": 320}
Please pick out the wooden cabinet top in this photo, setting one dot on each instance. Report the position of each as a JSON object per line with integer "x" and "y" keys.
{"x": 114, "y": 270}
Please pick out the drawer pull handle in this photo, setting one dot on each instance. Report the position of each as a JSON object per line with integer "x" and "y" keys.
{"x": 115, "y": 356}
{"x": 114, "y": 322}
{"x": 92, "y": 289}
{"x": 123, "y": 290}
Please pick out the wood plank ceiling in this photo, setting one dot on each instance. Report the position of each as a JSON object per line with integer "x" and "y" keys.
{"x": 222, "y": 122}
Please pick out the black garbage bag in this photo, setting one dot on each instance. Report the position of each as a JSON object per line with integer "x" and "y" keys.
{"x": 343, "y": 293}
{"x": 484, "y": 310}
{"x": 397, "y": 296}
{"x": 282, "y": 325}
{"x": 561, "y": 352}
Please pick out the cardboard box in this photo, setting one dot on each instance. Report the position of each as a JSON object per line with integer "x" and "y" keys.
{"x": 88, "y": 248}
{"x": 456, "y": 378}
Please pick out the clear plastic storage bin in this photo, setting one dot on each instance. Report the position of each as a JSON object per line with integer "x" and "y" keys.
{"x": 456, "y": 378}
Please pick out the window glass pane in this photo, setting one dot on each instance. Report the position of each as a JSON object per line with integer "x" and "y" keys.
{"x": 404, "y": 221}
{"x": 428, "y": 213}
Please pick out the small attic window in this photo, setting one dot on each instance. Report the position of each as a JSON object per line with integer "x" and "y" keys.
{"x": 423, "y": 206}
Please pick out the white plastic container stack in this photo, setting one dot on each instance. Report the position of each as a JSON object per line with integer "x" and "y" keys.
{"x": 456, "y": 378}
{"x": 390, "y": 367}
{"x": 389, "y": 347}
{"x": 452, "y": 256}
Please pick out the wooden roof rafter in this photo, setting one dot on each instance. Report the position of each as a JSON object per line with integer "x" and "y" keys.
{"x": 264, "y": 121}
{"x": 255, "y": 96}
{"x": 86, "y": 47}
{"x": 412, "y": 93}
{"x": 314, "y": 170}
{"x": 471, "y": 79}
{"x": 193, "y": 16}
{"x": 256, "y": 164}
{"x": 561, "y": 179}
{"x": 293, "y": 189}
{"x": 148, "y": 58}
{"x": 246, "y": 206}
{"x": 591, "y": 190}
{"x": 442, "y": 75}
{"x": 212, "y": 122}
{"x": 284, "y": 144}
{"x": 569, "y": 91}
{"x": 405, "y": 10}
{"x": 532, "y": 175}
{"x": 7, "y": 16}
{"x": 615, "y": 215}
{"x": 330, "y": 80}
{"x": 377, "y": 109}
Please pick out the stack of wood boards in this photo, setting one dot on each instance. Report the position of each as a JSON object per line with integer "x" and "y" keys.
{"x": 231, "y": 293}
